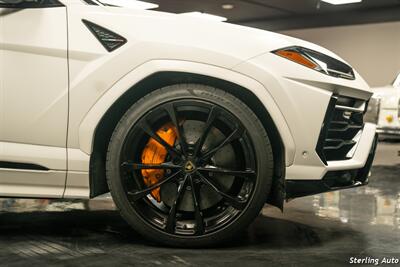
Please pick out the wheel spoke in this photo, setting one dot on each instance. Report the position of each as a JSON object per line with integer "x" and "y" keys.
{"x": 171, "y": 220}
{"x": 236, "y": 203}
{"x": 147, "y": 129}
{"x": 237, "y": 133}
{"x": 170, "y": 108}
{"x": 142, "y": 193}
{"x": 213, "y": 169}
{"x": 196, "y": 204}
{"x": 214, "y": 112}
{"x": 143, "y": 166}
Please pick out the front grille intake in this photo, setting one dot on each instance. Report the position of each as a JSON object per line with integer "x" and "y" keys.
{"x": 341, "y": 130}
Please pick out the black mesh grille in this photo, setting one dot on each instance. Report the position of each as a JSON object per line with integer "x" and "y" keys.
{"x": 341, "y": 126}
{"x": 110, "y": 40}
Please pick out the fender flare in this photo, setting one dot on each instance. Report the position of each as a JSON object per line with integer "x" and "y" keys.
{"x": 87, "y": 127}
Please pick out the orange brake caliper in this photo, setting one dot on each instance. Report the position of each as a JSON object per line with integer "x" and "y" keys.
{"x": 155, "y": 153}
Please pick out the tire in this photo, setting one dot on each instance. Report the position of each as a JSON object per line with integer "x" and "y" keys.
{"x": 203, "y": 205}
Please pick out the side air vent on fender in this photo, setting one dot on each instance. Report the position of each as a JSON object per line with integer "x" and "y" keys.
{"x": 110, "y": 40}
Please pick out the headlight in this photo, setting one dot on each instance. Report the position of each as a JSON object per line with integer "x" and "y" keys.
{"x": 317, "y": 61}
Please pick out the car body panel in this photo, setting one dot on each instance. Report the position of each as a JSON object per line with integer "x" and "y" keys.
{"x": 34, "y": 100}
{"x": 89, "y": 124}
{"x": 34, "y": 77}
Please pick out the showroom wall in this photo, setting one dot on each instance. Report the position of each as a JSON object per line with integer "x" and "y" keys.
{"x": 373, "y": 49}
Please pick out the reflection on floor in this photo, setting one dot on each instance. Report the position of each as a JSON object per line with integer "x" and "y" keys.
{"x": 345, "y": 206}
{"x": 324, "y": 229}
{"x": 376, "y": 204}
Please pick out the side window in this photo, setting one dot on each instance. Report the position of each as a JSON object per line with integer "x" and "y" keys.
{"x": 29, "y": 3}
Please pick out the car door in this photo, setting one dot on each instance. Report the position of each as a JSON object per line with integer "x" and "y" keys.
{"x": 33, "y": 98}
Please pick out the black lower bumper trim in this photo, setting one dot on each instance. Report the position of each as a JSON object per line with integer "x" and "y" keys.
{"x": 332, "y": 181}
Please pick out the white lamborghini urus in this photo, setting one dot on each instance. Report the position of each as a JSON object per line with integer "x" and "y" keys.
{"x": 192, "y": 125}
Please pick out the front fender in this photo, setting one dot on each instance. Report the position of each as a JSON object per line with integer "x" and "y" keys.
{"x": 89, "y": 123}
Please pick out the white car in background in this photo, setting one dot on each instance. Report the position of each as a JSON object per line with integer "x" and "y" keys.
{"x": 385, "y": 105}
{"x": 191, "y": 124}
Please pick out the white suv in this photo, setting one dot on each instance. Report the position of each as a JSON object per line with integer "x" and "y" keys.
{"x": 191, "y": 124}
{"x": 384, "y": 110}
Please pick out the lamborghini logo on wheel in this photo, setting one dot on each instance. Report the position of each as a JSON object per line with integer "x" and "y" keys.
{"x": 189, "y": 166}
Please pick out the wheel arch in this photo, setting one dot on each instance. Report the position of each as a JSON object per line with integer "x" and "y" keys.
{"x": 161, "y": 79}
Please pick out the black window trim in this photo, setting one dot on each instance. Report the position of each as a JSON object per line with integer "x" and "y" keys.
{"x": 28, "y": 5}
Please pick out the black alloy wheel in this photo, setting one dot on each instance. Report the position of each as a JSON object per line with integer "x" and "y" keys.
{"x": 216, "y": 175}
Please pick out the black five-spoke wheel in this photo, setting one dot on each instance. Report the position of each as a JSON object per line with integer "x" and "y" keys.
{"x": 212, "y": 173}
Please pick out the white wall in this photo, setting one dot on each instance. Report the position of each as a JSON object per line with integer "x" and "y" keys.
{"x": 372, "y": 49}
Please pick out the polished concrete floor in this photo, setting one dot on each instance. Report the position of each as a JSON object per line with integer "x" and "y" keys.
{"x": 324, "y": 230}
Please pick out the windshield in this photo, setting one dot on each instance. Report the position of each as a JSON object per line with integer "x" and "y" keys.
{"x": 123, "y": 3}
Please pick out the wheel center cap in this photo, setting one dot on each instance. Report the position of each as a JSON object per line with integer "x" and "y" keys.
{"x": 189, "y": 167}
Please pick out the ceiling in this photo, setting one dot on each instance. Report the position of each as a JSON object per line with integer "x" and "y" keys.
{"x": 289, "y": 14}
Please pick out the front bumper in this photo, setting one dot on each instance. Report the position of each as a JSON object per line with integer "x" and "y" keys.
{"x": 333, "y": 180}
{"x": 303, "y": 98}
{"x": 388, "y": 132}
